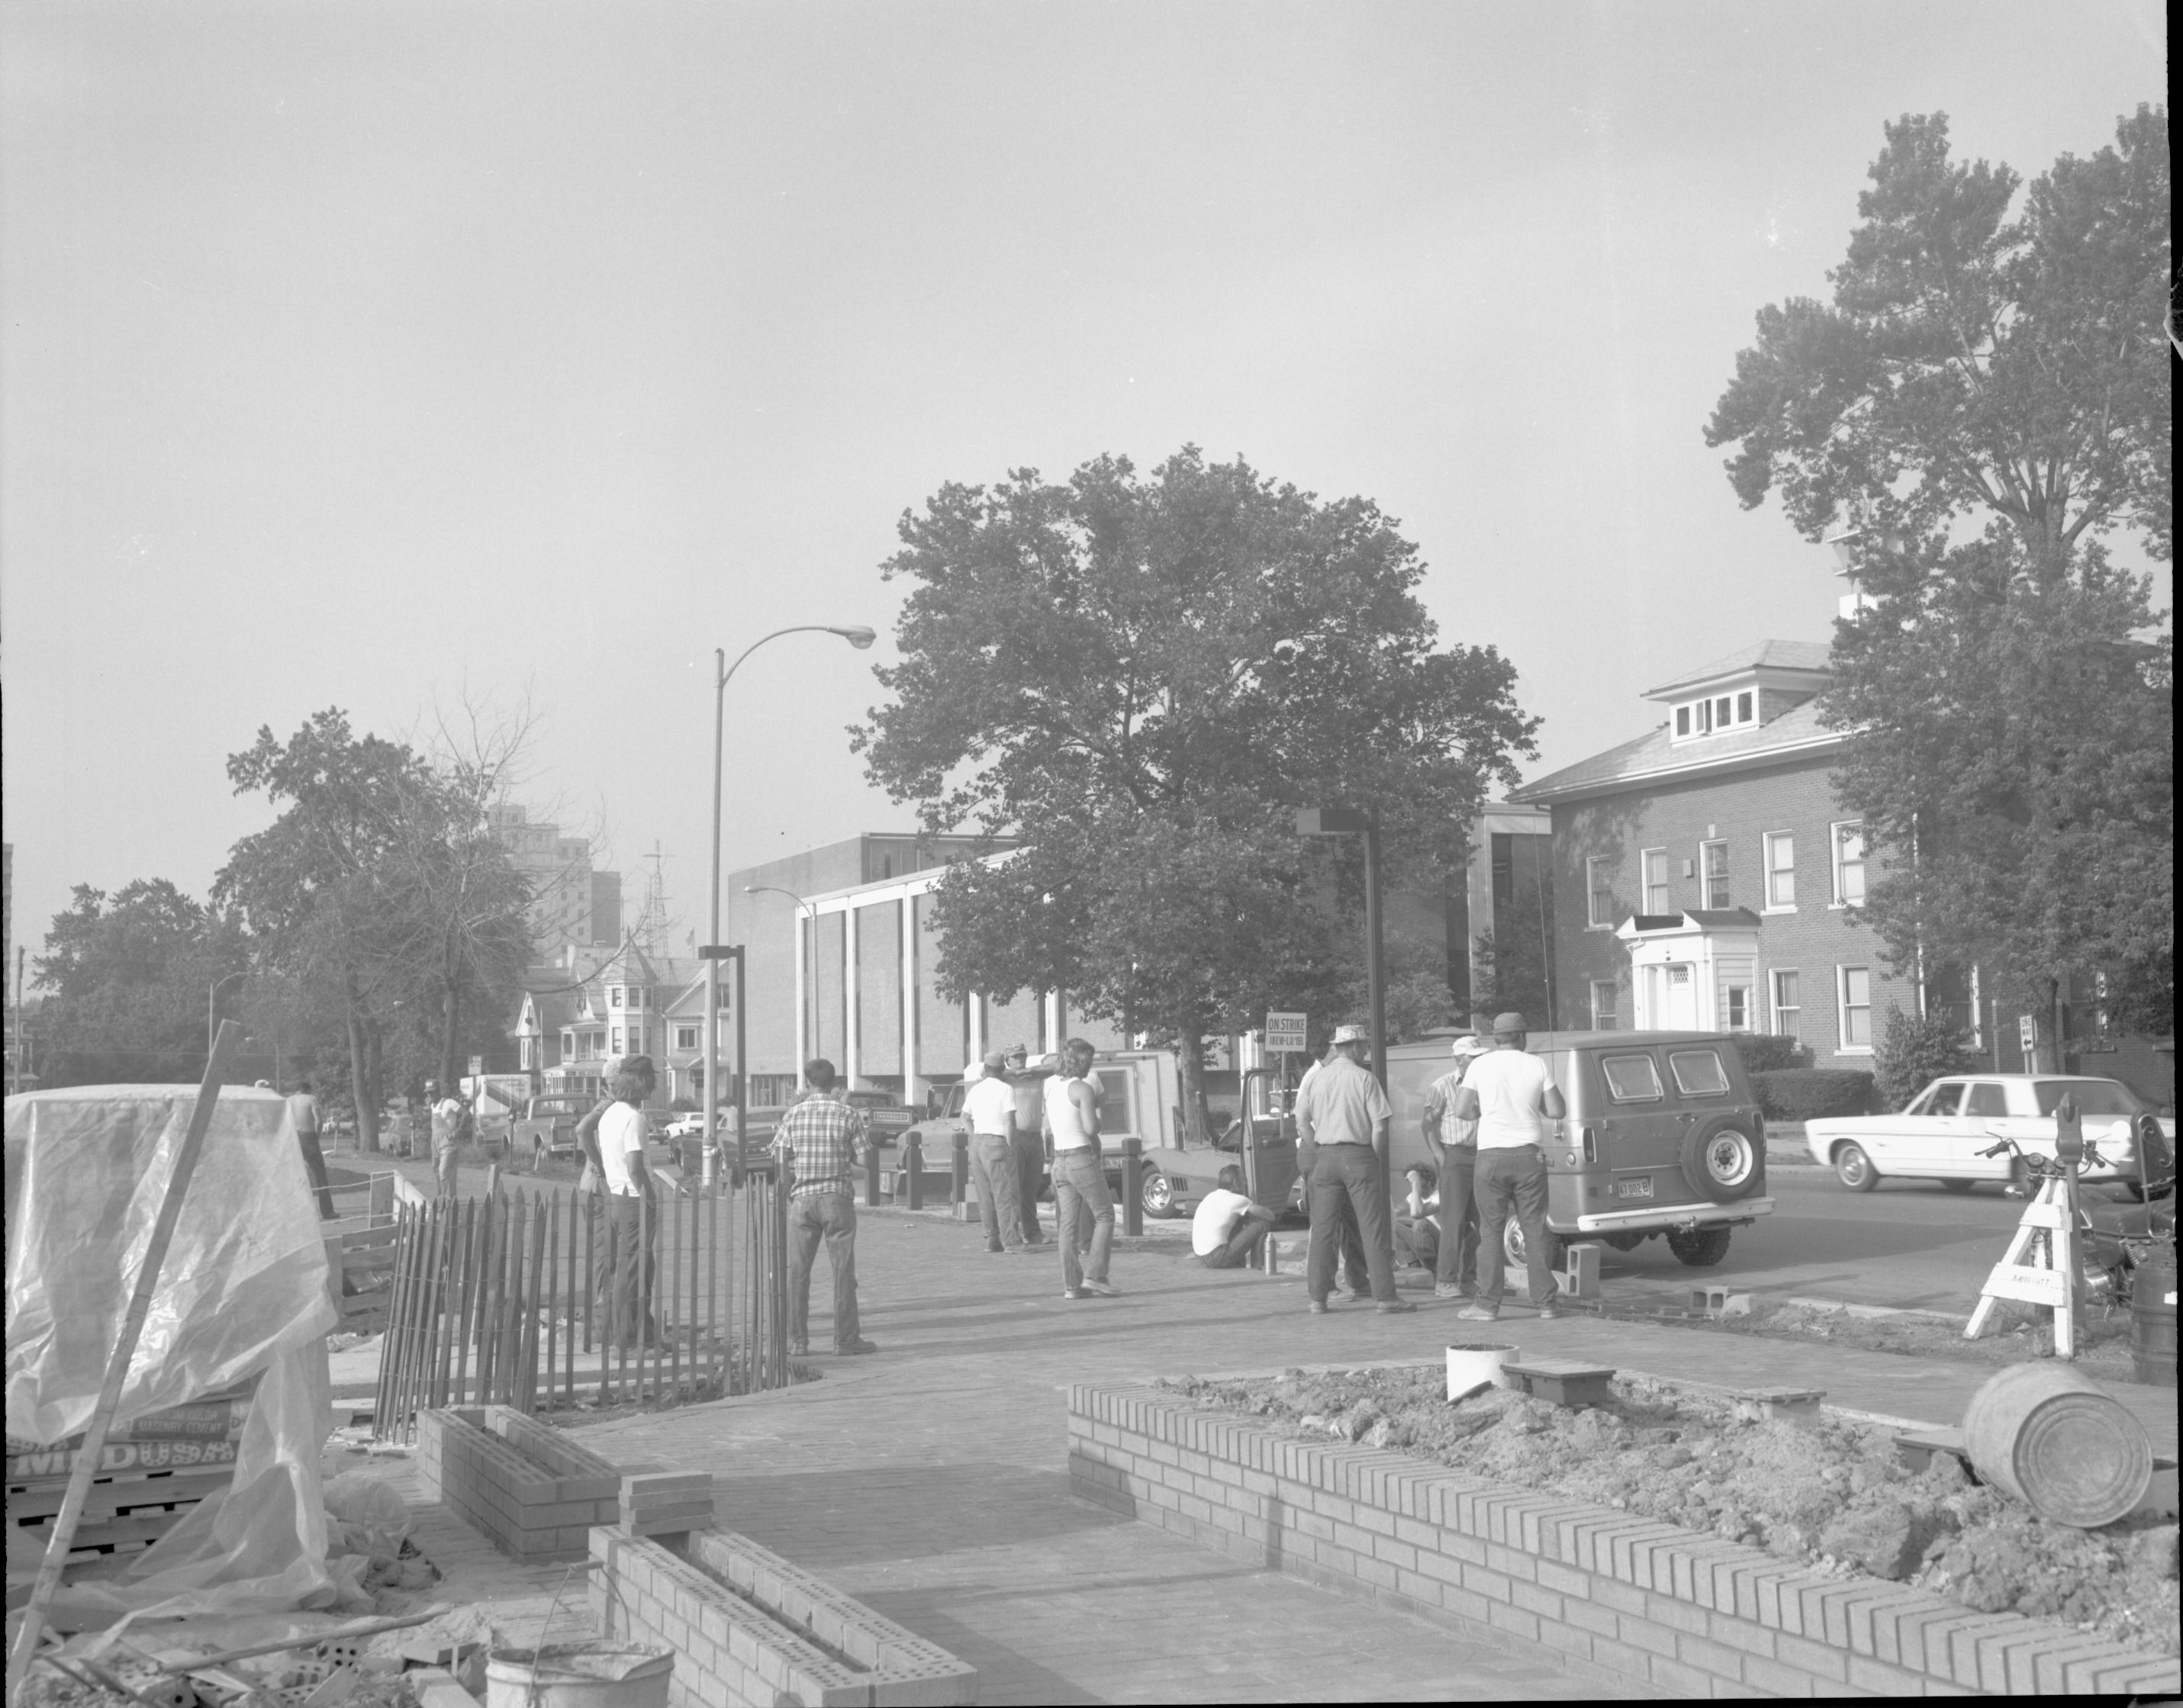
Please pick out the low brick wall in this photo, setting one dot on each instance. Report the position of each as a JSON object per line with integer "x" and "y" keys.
{"x": 531, "y": 1488}
{"x": 1683, "y": 1614}
{"x": 748, "y": 1627}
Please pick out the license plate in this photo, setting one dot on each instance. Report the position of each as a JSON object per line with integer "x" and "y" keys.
{"x": 1634, "y": 1188}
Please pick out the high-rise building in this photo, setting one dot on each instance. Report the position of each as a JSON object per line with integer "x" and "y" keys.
{"x": 572, "y": 906}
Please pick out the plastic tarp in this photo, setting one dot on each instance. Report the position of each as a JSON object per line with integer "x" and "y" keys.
{"x": 243, "y": 1290}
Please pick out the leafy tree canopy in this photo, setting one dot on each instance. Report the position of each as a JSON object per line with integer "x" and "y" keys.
{"x": 129, "y": 977}
{"x": 2013, "y": 751}
{"x": 1972, "y": 364}
{"x": 1140, "y": 680}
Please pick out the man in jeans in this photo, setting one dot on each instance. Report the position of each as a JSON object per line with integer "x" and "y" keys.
{"x": 822, "y": 1139}
{"x": 1453, "y": 1144}
{"x": 1071, "y": 1124}
{"x": 989, "y": 1108}
{"x": 1342, "y": 1133}
{"x": 1511, "y": 1096}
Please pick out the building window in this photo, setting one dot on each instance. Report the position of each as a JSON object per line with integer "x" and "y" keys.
{"x": 636, "y": 999}
{"x": 1656, "y": 880}
{"x": 1849, "y": 864}
{"x": 1713, "y": 874}
{"x": 1788, "y": 1008}
{"x": 1504, "y": 869}
{"x": 1780, "y": 869}
{"x": 1603, "y": 993}
{"x": 1682, "y": 722}
{"x": 1599, "y": 888}
{"x": 617, "y": 1040}
{"x": 568, "y": 1047}
{"x": 1743, "y": 708}
{"x": 686, "y": 1037}
{"x": 614, "y": 996}
{"x": 1739, "y": 1007}
{"x": 1856, "y": 1002}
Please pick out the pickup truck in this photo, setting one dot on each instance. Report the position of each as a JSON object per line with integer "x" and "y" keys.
{"x": 548, "y": 1129}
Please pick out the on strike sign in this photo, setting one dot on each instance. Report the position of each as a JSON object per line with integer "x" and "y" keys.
{"x": 1284, "y": 1031}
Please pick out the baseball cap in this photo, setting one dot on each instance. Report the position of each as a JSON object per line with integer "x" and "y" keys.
{"x": 1470, "y": 1043}
{"x": 996, "y": 1058}
{"x": 1353, "y": 1034}
{"x": 1503, "y": 1025}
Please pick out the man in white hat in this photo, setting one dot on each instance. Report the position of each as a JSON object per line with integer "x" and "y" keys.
{"x": 1342, "y": 1133}
{"x": 1452, "y": 1143}
{"x": 989, "y": 1107}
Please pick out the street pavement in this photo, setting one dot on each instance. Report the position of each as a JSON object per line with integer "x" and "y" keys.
{"x": 931, "y": 1479}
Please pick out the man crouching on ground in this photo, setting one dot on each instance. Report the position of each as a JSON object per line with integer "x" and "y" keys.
{"x": 823, "y": 1139}
{"x": 1225, "y": 1232}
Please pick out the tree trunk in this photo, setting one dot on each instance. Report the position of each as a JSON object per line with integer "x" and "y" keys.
{"x": 375, "y": 1063}
{"x": 1190, "y": 1059}
{"x": 450, "y": 1037}
{"x": 360, "y": 1075}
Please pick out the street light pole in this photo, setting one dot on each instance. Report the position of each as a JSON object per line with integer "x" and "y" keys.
{"x": 212, "y": 1009}
{"x": 858, "y": 636}
{"x": 1349, "y": 821}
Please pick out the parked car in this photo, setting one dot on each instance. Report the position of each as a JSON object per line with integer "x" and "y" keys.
{"x": 1945, "y": 1127}
{"x": 547, "y": 1130}
{"x": 1663, "y": 1138}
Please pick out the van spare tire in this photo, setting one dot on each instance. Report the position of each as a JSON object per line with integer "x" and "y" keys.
{"x": 1721, "y": 1161}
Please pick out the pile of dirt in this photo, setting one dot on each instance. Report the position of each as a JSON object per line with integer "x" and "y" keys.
{"x": 2020, "y": 1333}
{"x": 1835, "y": 1497}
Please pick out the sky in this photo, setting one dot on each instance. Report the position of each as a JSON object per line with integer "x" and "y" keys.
{"x": 408, "y": 358}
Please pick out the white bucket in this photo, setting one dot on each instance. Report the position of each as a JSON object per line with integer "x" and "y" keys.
{"x": 1472, "y": 1365}
{"x": 579, "y": 1675}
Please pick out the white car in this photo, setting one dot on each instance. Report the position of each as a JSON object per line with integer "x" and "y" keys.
{"x": 690, "y": 1125}
{"x": 1940, "y": 1136}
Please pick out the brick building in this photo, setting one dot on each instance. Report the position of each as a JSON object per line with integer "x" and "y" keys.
{"x": 1704, "y": 873}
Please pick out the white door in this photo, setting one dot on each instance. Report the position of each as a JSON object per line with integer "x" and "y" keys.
{"x": 1928, "y": 1146}
{"x": 1986, "y": 1118}
{"x": 1682, "y": 1006}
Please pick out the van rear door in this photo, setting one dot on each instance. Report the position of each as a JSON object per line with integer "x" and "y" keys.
{"x": 1635, "y": 1134}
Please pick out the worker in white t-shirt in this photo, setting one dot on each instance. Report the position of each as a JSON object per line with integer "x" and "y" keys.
{"x": 1228, "y": 1226}
{"x": 1512, "y": 1096}
{"x": 632, "y": 1210}
{"x": 989, "y": 1107}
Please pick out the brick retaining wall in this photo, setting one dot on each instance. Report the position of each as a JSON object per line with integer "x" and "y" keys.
{"x": 748, "y": 1627}
{"x": 1683, "y": 1614}
{"x": 532, "y": 1490}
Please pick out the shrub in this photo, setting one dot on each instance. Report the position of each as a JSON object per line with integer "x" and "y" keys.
{"x": 1812, "y": 1093}
{"x": 1913, "y": 1053}
{"x": 1764, "y": 1052}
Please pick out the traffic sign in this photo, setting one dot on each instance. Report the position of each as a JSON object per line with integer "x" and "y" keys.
{"x": 1285, "y": 1031}
{"x": 2027, "y": 1035}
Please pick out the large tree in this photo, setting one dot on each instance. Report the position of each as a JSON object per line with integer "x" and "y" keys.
{"x": 1984, "y": 401}
{"x": 130, "y": 981}
{"x": 1140, "y": 680}
{"x": 381, "y": 887}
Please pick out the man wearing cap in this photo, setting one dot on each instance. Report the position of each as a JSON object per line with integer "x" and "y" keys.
{"x": 1452, "y": 1143}
{"x": 1341, "y": 1129}
{"x": 1512, "y": 1096}
{"x": 1353, "y": 1284}
{"x": 446, "y": 1112}
{"x": 989, "y": 1108}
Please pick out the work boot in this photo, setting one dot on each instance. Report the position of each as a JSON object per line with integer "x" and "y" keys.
{"x": 1390, "y": 1307}
{"x": 1347, "y": 1295}
{"x": 847, "y": 1348}
{"x": 1549, "y": 1310}
{"x": 1319, "y": 1307}
{"x": 1448, "y": 1290}
{"x": 1075, "y": 1293}
{"x": 1105, "y": 1289}
{"x": 1479, "y": 1313}
{"x": 799, "y": 1348}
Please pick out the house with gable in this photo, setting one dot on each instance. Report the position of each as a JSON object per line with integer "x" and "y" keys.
{"x": 1705, "y": 875}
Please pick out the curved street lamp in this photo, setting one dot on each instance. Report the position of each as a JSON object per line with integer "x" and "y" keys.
{"x": 858, "y": 636}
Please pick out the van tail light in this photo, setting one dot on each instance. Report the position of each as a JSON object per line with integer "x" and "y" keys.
{"x": 1592, "y": 1144}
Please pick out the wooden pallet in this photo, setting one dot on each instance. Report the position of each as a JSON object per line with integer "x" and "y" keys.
{"x": 128, "y": 1510}
{"x": 360, "y": 1271}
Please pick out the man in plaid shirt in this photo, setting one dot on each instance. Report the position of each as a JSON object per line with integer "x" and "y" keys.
{"x": 821, "y": 1141}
